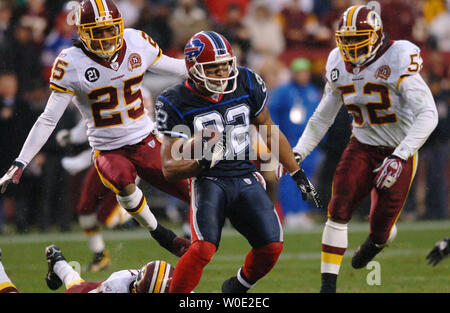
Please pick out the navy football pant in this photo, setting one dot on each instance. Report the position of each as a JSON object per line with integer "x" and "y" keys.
{"x": 243, "y": 200}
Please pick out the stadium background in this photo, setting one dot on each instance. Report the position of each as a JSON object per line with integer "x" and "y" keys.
{"x": 266, "y": 36}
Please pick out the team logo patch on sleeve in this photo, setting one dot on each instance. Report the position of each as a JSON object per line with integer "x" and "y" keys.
{"x": 383, "y": 72}
{"x": 134, "y": 61}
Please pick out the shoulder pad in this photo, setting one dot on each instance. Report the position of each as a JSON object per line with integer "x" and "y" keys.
{"x": 409, "y": 61}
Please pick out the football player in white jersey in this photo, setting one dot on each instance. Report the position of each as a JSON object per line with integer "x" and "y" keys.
{"x": 393, "y": 112}
{"x": 153, "y": 277}
{"x": 102, "y": 75}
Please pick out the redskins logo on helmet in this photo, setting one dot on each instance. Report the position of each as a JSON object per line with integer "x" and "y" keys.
{"x": 100, "y": 27}
{"x": 205, "y": 48}
{"x": 154, "y": 277}
{"x": 359, "y": 34}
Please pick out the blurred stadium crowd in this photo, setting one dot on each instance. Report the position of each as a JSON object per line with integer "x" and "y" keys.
{"x": 285, "y": 41}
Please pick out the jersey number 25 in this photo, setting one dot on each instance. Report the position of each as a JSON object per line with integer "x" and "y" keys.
{"x": 113, "y": 102}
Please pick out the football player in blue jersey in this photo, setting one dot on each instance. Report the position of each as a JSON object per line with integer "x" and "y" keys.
{"x": 224, "y": 183}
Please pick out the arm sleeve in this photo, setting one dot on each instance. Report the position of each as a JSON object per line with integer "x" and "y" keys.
{"x": 417, "y": 95}
{"x": 44, "y": 126}
{"x": 319, "y": 123}
{"x": 169, "y": 65}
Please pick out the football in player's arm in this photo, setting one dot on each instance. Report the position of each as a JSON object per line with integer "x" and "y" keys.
{"x": 216, "y": 106}
{"x": 102, "y": 75}
{"x": 394, "y": 113}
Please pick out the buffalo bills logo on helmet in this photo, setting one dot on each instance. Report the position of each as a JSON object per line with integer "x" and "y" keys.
{"x": 193, "y": 49}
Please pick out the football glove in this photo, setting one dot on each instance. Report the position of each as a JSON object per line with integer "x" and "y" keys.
{"x": 388, "y": 172}
{"x": 306, "y": 188}
{"x": 13, "y": 174}
{"x": 63, "y": 137}
{"x": 440, "y": 251}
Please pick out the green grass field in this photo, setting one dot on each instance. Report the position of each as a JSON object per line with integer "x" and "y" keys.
{"x": 402, "y": 265}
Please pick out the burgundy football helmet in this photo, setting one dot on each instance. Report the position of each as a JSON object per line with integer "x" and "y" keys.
{"x": 153, "y": 277}
{"x": 359, "y": 34}
{"x": 93, "y": 17}
{"x": 208, "y": 47}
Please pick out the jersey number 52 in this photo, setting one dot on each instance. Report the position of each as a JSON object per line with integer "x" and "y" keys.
{"x": 374, "y": 109}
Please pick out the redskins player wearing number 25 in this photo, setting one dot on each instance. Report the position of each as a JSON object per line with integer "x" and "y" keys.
{"x": 393, "y": 112}
{"x": 102, "y": 75}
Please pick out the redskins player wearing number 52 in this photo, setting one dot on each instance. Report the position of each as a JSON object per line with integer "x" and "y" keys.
{"x": 102, "y": 75}
{"x": 393, "y": 112}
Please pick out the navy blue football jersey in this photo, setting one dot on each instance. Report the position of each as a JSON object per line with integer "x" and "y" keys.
{"x": 181, "y": 111}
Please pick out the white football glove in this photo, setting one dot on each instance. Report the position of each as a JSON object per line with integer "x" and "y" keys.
{"x": 63, "y": 137}
{"x": 13, "y": 174}
{"x": 388, "y": 172}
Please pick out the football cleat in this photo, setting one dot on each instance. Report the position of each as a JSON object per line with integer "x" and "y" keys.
{"x": 232, "y": 285}
{"x": 53, "y": 255}
{"x": 365, "y": 253}
{"x": 101, "y": 261}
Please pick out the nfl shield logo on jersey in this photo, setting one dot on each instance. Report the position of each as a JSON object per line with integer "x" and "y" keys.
{"x": 193, "y": 49}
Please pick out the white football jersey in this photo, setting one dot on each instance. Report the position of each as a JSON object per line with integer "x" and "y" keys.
{"x": 381, "y": 115}
{"x": 108, "y": 94}
{"x": 118, "y": 282}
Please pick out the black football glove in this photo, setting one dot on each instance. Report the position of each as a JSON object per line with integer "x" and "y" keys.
{"x": 306, "y": 188}
{"x": 440, "y": 251}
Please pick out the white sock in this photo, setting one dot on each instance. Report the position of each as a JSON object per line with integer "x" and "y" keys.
{"x": 334, "y": 244}
{"x": 67, "y": 274}
{"x": 90, "y": 227}
{"x": 96, "y": 243}
{"x": 136, "y": 205}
